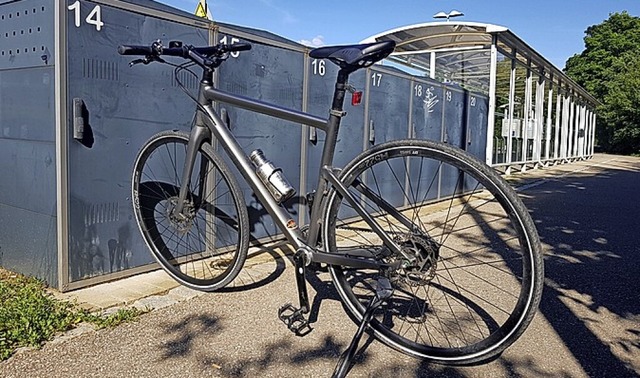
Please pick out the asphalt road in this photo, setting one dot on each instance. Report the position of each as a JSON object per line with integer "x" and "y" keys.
{"x": 588, "y": 324}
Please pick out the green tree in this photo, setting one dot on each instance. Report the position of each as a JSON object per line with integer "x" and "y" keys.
{"x": 609, "y": 68}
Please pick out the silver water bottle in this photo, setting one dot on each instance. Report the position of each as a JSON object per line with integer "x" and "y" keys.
{"x": 272, "y": 177}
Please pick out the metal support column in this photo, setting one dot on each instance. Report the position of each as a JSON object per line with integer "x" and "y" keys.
{"x": 539, "y": 119}
{"x": 556, "y": 144}
{"x": 61, "y": 137}
{"x": 547, "y": 144}
{"x": 565, "y": 126}
{"x": 512, "y": 90}
{"x": 491, "y": 116}
{"x": 527, "y": 116}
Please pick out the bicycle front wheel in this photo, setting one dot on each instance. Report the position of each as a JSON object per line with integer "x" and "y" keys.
{"x": 204, "y": 246}
{"x": 471, "y": 275}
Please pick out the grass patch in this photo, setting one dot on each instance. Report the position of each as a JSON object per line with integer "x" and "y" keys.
{"x": 29, "y": 315}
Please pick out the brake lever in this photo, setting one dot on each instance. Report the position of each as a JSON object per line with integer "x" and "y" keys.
{"x": 146, "y": 60}
{"x": 137, "y": 61}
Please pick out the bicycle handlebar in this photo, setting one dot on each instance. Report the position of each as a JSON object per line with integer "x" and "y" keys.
{"x": 187, "y": 52}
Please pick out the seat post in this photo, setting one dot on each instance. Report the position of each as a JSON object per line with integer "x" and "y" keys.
{"x": 335, "y": 117}
{"x": 338, "y": 94}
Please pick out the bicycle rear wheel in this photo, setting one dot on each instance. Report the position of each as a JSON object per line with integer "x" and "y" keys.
{"x": 477, "y": 277}
{"x": 205, "y": 247}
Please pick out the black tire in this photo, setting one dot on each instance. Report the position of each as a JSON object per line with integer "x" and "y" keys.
{"x": 206, "y": 250}
{"x": 482, "y": 275}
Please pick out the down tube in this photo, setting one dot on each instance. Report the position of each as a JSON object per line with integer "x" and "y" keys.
{"x": 247, "y": 170}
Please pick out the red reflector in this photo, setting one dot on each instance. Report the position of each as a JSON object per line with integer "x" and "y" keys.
{"x": 356, "y": 98}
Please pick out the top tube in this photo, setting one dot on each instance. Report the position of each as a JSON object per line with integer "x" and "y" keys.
{"x": 213, "y": 94}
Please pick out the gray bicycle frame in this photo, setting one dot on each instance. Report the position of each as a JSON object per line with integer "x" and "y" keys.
{"x": 209, "y": 123}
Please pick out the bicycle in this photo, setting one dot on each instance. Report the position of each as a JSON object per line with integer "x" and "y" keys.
{"x": 428, "y": 247}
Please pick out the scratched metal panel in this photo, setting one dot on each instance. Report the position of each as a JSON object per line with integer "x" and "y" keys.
{"x": 28, "y": 175}
{"x": 476, "y": 138}
{"x": 26, "y": 34}
{"x": 27, "y": 104}
{"x": 389, "y": 98}
{"x": 388, "y": 105}
{"x": 274, "y": 75}
{"x": 427, "y": 97}
{"x": 454, "y": 112}
{"x": 351, "y": 134}
{"x": 125, "y": 106}
{"x": 477, "y": 123}
{"x": 28, "y": 208}
{"x": 427, "y": 110}
{"x": 28, "y": 242}
{"x": 27, "y": 149}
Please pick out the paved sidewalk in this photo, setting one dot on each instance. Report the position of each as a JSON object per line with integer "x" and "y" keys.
{"x": 588, "y": 324}
{"x": 157, "y": 289}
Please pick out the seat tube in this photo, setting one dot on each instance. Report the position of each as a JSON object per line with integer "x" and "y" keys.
{"x": 333, "y": 126}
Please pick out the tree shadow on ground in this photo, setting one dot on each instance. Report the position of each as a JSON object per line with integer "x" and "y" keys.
{"x": 185, "y": 332}
{"x": 591, "y": 269}
{"x": 589, "y": 224}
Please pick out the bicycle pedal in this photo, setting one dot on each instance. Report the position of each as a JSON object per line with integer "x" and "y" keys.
{"x": 294, "y": 319}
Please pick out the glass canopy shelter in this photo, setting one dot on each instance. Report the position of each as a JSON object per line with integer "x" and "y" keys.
{"x": 536, "y": 114}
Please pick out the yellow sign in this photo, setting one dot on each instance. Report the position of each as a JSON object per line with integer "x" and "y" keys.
{"x": 202, "y": 10}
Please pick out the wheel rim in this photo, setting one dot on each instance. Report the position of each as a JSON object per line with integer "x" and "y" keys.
{"x": 441, "y": 318}
{"x": 199, "y": 246}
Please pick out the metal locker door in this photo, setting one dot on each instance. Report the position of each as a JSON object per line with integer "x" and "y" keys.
{"x": 123, "y": 107}
{"x": 427, "y": 113}
{"x": 476, "y": 136}
{"x": 350, "y": 137}
{"x": 454, "y": 109}
{"x": 274, "y": 75}
{"x": 28, "y": 214}
{"x": 387, "y": 119}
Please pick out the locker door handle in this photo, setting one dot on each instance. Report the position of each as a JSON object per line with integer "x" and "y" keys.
{"x": 313, "y": 135}
{"x": 372, "y": 132}
{"x": 79, "y": 119}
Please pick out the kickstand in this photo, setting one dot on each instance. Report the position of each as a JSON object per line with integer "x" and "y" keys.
{"x": 383, "y": 291}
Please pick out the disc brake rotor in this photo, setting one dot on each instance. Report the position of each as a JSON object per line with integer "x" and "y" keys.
{"x": 423, "y": 269}
{"x": 182, "y": 222}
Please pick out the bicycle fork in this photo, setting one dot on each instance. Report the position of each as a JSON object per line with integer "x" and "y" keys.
{"x": 199, "y": 134}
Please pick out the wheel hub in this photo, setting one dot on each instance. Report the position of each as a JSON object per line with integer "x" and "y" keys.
{"x": 425, "y": 251}
{"x": 183, "y": 221}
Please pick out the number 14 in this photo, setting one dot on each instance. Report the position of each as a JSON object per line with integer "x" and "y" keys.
{"x": 94, "y": 17}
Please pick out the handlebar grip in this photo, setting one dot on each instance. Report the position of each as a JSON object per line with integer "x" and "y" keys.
{"x": 135, "y": 50}
{"x": 240, "y": 46}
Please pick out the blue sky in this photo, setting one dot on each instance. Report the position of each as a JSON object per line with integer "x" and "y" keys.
{"x": 555, "y": 28}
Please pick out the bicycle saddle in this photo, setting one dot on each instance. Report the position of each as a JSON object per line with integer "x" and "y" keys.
{"x": 353, "y": 57}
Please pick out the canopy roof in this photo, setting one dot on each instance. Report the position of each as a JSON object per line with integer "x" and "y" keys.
{"x": 463, "y": 52}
